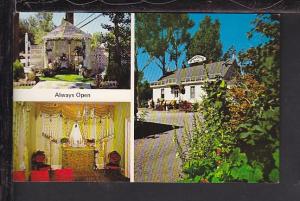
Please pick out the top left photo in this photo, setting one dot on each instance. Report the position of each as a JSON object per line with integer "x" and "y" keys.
{"x": 72, "y": 50}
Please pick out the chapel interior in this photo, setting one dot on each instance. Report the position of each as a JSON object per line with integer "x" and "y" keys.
{"x": 64, "y": 142}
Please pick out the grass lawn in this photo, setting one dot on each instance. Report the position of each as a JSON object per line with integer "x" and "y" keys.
{"x": 67, "y": 78}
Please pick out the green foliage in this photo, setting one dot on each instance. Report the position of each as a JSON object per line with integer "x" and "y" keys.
{"x": 96, "y": 39}
{"x": 143, "y": 90}
{"x": 209, "y": 140}
{"x": 196, "y": 106}
{"x": 67, "y": 78}
{"x": 166, "y": 34}
{"x": 118, "y": 40}
{"x": 18, "y": 70}
{"x": 237, "y": 138}
{"x": 261, "y": 129}
{"x": 180, "y": 37}
{"x": 274, "y": 174}
{"x": 207, "y": 41}
{"x": 23, "y": 28}
{"x": 31, "y": 76}
{"x": 37, "y": 26}
{"x": 229, "y": 53}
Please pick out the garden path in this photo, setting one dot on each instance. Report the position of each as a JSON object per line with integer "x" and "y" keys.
{"x": 61, "y": 85}
{"x": 155, "y": 154}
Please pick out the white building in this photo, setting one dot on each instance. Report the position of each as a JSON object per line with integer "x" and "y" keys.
{"x": 185, "y": 84}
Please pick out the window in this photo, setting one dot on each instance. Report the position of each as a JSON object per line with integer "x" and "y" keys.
{"x": 176, "y": 92}
{"x": 192, "y": 91}
{"x": 162, "y": 93}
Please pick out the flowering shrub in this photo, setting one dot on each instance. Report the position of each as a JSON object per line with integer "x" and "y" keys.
{"x": 235, "y": 135}
{"x": 18, "y": 70}
{"x": 220, "y": 148}
{"x": 185, "y": 106}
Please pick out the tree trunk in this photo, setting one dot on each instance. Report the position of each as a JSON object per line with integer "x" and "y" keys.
{"x": 164, "y": 70}
{"x": 136, "y": 88}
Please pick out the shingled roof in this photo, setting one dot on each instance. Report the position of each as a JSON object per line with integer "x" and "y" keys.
{"x": 66, "y": 31}
{"x": 196, "y": 73}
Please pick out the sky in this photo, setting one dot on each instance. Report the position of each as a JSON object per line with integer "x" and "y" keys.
{"x": 234, "y": 28}
{"x": 94, "y": 26}
{"x": 233, "y": 31}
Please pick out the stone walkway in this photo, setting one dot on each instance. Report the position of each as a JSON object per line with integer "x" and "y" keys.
{"x": 155, "y": 154}
{"x": 61, "y": 85}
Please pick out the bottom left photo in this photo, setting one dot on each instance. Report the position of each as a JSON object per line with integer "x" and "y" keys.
{"x": 67, "y": 142}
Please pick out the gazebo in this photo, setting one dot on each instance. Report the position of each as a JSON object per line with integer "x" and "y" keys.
{"x": 67, "y": 46}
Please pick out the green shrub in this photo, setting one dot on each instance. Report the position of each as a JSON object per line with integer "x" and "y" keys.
{"x": 237, "y": 137}
{"x": 49, "y": 72}
{"x": 215, "y": 151}
{"x": 31, "y": 76}
{"x": 195, "y": 106}
{"x": 18, "y": 70}
{"x": 185, "y": 106}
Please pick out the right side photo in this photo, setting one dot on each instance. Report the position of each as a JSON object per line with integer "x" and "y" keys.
{"x": 207, "y": 104}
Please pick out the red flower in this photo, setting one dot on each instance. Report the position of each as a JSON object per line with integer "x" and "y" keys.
{"x": 218, "y": 151}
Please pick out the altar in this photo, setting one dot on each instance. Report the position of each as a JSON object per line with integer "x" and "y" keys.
{"x": 80, "y": 159}
{"x": 74, "y": 139}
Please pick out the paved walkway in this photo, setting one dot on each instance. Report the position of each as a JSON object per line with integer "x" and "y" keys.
{"x": 61, "y": 85}
{"x": 155, "y": 154}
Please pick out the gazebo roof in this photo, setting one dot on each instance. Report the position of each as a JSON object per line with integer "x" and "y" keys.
{"x": 67, "y": 31}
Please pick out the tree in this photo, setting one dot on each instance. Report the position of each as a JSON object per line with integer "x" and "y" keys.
{"x": 206, "y": 41}
{"x": 180, "y": 37}
{"x": 154, "y": 28}
{"x": 96, "y": 39}
{"x": 237, "y": 138}
{"x": 161, "y": 35}
{"x": 143, "y": 89}
{"x": 263, "y": 63}
{"x": 118, "y": 41}
{"x": 38, "y": 25}
{"x": 23, "y": 28}
{"x": 229, "y": 53}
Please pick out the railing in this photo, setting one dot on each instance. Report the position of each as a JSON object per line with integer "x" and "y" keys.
{"x": 173, "y": 81}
